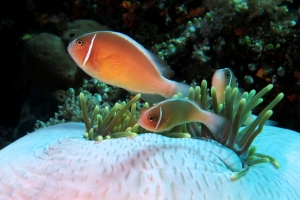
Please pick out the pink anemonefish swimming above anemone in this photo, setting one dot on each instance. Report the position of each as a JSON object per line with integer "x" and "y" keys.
{"x": 118, "y": 60}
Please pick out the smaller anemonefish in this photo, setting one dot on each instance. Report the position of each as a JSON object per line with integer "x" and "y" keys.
{"x": 118, "y": 60}
{"x": 172, "y": 112}
{"x": 220, "y": 80}
{"x": 223, "y": 78}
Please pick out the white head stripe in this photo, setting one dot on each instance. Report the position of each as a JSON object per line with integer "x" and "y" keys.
{"x": 89, "y": 51}
{"x": 230, "y": 79}
{"x": 159, "y": 120}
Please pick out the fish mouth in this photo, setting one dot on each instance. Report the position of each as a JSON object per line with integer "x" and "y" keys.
{"x": 140, "y": 122}
{"x": 69, "y": 48}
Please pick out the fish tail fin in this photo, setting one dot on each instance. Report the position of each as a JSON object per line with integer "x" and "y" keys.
{"x": 252, "y": 117}
{"x": 270, "y": 122}
{"x": 182, "y": 88}
{"x": 218, "y": 125}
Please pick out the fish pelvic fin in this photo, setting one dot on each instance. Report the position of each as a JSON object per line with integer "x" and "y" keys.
{"x": 152, "y": 98}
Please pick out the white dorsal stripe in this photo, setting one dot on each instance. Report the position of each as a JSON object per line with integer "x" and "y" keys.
{"x": 159, "y": 119}
{"x": 89, "y": 51}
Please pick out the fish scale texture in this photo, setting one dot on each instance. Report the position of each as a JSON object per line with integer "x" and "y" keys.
{"x": 57, "y": 163}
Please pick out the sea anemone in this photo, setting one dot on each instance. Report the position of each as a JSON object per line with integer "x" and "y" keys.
{"x": 119, "y": 122}
{"x": 58, "y": 163}
{"x": 114, "y": 123}
{"x": 237, "y": 109}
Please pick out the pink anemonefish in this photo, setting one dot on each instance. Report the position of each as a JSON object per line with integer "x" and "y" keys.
{"x": 118, "y": 60}
{"x": 175, "y": 111}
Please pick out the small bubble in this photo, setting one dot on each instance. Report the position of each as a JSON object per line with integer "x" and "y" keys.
{"x": 248, "y": 79}
{"x": 252, "y": 67}
{"x": 281, "y": 71}
{"x": 292, "y": 23}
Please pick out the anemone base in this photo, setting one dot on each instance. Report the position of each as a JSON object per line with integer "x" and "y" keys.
{"x": 58, "y": 163}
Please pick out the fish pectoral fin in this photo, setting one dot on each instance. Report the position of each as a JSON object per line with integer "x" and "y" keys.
{"x": 110, "y": 67}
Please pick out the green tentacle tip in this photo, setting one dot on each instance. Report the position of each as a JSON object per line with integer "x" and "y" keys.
{"x": 271, "y": 160}
{"x": 253, "y": 159}
{"x": 179, "y": 135}
{"x": 239, "y": 174}
{"x": 91, "y": 134}
{"x": 107, "y": 137}
{"x": 99, "y": 138}
{"x": 252, "y": 150}
{"x": 257, "y": 160}
{"x": 275, "y": 163}
{"x": 119, "y": 121}
{"x": 123, "y": 134}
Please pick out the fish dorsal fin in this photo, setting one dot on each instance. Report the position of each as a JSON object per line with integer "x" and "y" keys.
{"x": 159, "y": 119}
{"x": 110, "y": 67}
{"x": 162, "y": 67}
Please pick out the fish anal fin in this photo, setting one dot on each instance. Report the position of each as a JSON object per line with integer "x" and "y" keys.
{"x": 152, "y": 98}
{"x": 110, "y": 67}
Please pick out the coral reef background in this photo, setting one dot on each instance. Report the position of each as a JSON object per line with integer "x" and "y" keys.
{"x": 258, "y": 40}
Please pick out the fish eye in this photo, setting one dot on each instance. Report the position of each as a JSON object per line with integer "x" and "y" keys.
{"x": 151, "y": 118}
{"x": 227, "y": 74}
{"x": 79, "y": 42}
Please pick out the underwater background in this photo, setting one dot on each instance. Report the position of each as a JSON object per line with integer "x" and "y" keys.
{"x": 257, "y": 39}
